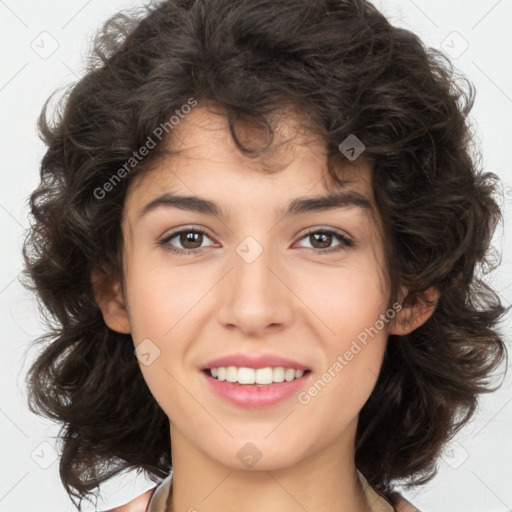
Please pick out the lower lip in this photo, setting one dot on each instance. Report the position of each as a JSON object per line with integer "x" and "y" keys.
{"x": 253, "y": 396}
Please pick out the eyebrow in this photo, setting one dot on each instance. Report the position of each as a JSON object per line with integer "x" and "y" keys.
{"x": 297, "y": 206}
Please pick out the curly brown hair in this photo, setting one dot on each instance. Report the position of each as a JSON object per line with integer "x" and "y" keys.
{"x": 348, "y": 70}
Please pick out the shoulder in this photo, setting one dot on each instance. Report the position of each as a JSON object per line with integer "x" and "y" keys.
{"x": 401, "y": 504}
{"x": 139, "y": 504}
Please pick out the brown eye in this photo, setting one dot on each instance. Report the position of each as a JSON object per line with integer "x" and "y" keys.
{"x": 321, "y": 241}
{"x": 191, "y": 239}
{"x": 186, "y": 241}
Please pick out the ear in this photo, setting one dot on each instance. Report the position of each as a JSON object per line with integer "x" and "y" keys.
{"x": 410, "y": 318}
{"x": 110, "y": 299}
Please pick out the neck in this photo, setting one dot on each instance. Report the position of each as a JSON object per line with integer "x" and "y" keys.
{"x": 326, "y": 480}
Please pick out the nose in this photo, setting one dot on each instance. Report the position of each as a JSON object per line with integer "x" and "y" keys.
{"x": 255, "y": 297}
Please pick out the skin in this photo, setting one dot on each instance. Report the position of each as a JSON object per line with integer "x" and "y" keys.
{"x": 293, "y": 300}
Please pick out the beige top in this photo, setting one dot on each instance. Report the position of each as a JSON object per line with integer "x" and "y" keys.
{"x": 377, "y": 502}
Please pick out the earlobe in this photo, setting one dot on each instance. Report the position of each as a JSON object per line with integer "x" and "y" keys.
{"x": 110, "y": 300}
{"x": 410, "y": 318}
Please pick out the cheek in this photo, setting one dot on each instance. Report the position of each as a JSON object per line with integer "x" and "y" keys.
{"x": 164, "y": 305}
{"x": 351, "y": 304}
{"x": 347, "y": 299}
{"x": 161, "y": 298}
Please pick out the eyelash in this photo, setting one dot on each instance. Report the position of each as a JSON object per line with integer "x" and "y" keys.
{"x": 344, "y": 241}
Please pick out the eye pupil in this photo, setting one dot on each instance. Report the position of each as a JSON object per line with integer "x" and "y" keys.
{"x": 191, "y": 237}
{"x": 327, "y": 239}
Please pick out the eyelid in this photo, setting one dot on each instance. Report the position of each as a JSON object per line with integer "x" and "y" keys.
{"x": 186, "y": 229}
{"x": 327, "y": 229}
{"x": 346, "y": 240}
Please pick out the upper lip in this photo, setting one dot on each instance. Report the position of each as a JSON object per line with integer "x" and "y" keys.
{"x": 248, "y": 361}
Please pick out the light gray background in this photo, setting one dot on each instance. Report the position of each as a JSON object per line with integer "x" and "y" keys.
{"x": 43, "y": 43}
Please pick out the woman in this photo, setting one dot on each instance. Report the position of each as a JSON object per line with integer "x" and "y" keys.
{"x": 258, "y": 228}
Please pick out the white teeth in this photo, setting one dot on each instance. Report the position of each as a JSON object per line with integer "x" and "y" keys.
{"x": 278, "y": 374}
{"x": 289, "y": 375}
{"x": 264, "y": 375}
{"x": 245, "y": 376}
{"x": 231, "y": 374}
{"x": 260, "y": 376}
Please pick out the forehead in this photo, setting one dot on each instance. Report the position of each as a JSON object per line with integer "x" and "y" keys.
{"x": 204, "y": 159}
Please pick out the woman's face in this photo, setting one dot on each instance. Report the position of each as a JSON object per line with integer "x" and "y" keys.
{"x": 278, "y": 272}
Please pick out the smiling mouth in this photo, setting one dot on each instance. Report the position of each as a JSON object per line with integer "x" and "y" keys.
{"x": 255, "y": 376}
